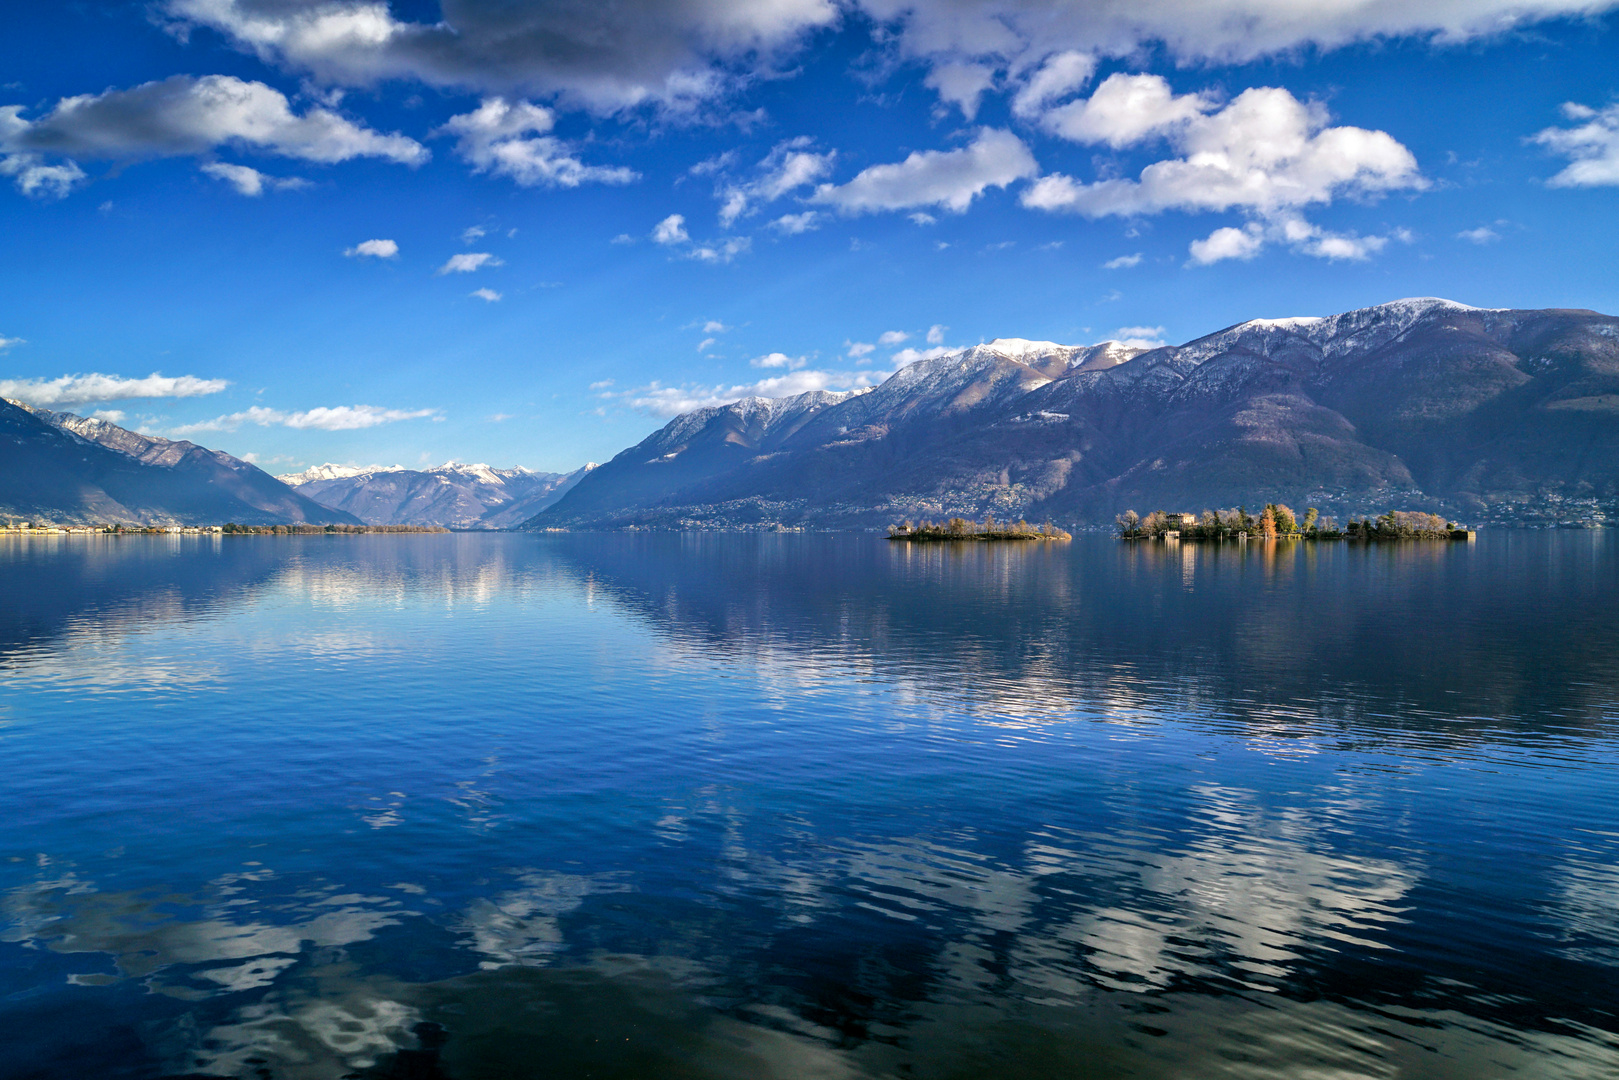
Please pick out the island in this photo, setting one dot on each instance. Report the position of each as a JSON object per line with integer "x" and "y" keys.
{"x": 960, "y": 529}
{"x": 1277, "y": 522}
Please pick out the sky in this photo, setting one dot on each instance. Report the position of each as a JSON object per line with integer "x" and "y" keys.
{"x": 527, "y": 234}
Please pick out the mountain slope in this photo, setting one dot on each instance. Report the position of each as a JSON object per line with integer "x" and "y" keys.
{"x": 1419, "y": 399}
{"x": 454, "y": 495}
{"x": 75, "y": 470}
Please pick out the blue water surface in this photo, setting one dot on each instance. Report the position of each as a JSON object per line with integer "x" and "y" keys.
{"x": 807, "y": 806}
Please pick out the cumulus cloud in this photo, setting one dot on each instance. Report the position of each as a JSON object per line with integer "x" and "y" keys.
{"x": 1265, "y": 152}
{"x": 111, "y": 416}
{"x": 936, "y": 334}
{"x": 892, "y": 337}
{"x": 961, "y": 85}
{"x": 660, "y": 400}
{"x": 714, "y": 326}
{"x": 324, "y": 418}
{"x": 789, "y": 166}
{"x": 183, "y": 115}
{"x": 722, "y": 251}
{"x": 81, "y": 389}
{"x": 797, "y": 224}
{"x": 8, "y": 342}
{"x": 1123, "y": 262}
{"x": 780, "y": 360}
{"x": 671, "y": 230}
{"x": 374, "y": 249}
{"x": 473, "y": 233}
{"x": 1481, "y": 235}
{"x": 911, "y": 356}
{"x": 1592, "y": 146}
{"x": 950, "y": 179}
{"x": 1060, "y": 76}
{"x": 487, "y": 295}
{"x": 512, "y": 139}
{"x": 1125, "y": 110}
{"x": 678, "y": 53}
{"x": 859, "y": 348}
{"x": 1296, "y": 233}
{"x": 1191, "y": 30}
{"x": 38, "y": 179}
{"x": 251, "y": 182}
{"x": 1140, "y": 337}
{"x": 469, "y": 261}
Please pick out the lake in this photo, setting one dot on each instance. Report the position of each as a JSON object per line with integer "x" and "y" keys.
{"x": 638, "y": 805}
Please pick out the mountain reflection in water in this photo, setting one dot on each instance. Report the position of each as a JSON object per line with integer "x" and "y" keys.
{"x": 807, "y": 806}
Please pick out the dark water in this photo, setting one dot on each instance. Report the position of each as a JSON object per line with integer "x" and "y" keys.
{"x": 574, "y": 806}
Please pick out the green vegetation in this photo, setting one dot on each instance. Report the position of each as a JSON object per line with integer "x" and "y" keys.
{"x": 961, "y": 529}
{"x": 1277, "y": 521}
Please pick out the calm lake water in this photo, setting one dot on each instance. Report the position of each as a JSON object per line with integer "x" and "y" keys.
{"x": 808, "y": 807}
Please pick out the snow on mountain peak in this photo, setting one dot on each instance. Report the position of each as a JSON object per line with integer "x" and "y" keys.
{"x": 330, "y": 471}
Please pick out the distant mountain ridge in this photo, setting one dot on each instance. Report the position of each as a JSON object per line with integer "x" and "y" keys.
{"x": 77, "y": 470}
{"x": 454, "y": 495}
{"x": 1418, "y": 400}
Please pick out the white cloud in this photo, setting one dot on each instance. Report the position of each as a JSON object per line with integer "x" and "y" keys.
{"x": 1061, "y": 75}
{"x": 622, "y": 238}
{"x": 487, "y": 295}
{"x": 936, "y": 334}
{"x": 1228, "y": 243}
{"x": 1592, "y": 147}
{"x": 375, "y": 249}
{"x": 677, "y": 53}
{"x": 603, "y": 385}
{"x": 324, "y": 418}
{"x": 251, "y": 182}
{"x": 473, "y": 233}
{"x": 859, "y": 348}
{"x": 8, "y": 342}
{"x": 183, "y": 115}
{"x": 1193, "y": 30}
{"x": 961, "y": 85}
{"x": 950, "y": 179}
{"x": 111, "y": 416}
{"x": 892, "y": 337}
{"x": 1125, "y": 110}
{"x": 36, "y": 179}
{"x": 467, "y": 262}
{"x": 911, "y": 356}
{"x": 721, "y": 252}
{"x": 1298, "y": 234}
{"x": 797, "y": 224}
{"x": 714, "y": 326}
{"x": 1265, "y": 152}
{"x": 660, "y": 400}
{"x": 671, "y": 230}
{"x": 706, "y": 344}
{"x": 511, "y": 139}
{"x": 922, "y": 218}
{"x": 1123, "y": 262}
{"x": 1141, "y": 337}
{"x": 780, "y": 360}
{"x": 80, "y": 389}
{"x": 789, "y": 166}
{"x": 1481, "y": 235}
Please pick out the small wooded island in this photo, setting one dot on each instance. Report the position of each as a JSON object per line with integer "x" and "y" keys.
{"x": 1277, "y": 522}
{"x": 961, "y": 529}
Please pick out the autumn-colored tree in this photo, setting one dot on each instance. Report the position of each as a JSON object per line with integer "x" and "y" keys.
{"x": 1285, "y": 522}
{"x": 1267, "y": 522}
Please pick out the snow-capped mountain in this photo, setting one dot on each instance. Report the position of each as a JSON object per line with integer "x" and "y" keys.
{"x": 78, "y": 470}
{"x": 1416, "y": 399}
{"x": 455, "y": 495}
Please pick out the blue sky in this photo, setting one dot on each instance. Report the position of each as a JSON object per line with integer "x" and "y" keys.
{"x": 350, "y": 231}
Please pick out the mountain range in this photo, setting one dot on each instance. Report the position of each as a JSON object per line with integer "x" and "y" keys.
{"x": 75, "y": 470}
{"x": 1421, "y": 402}
{"x": 454, "y": 495}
